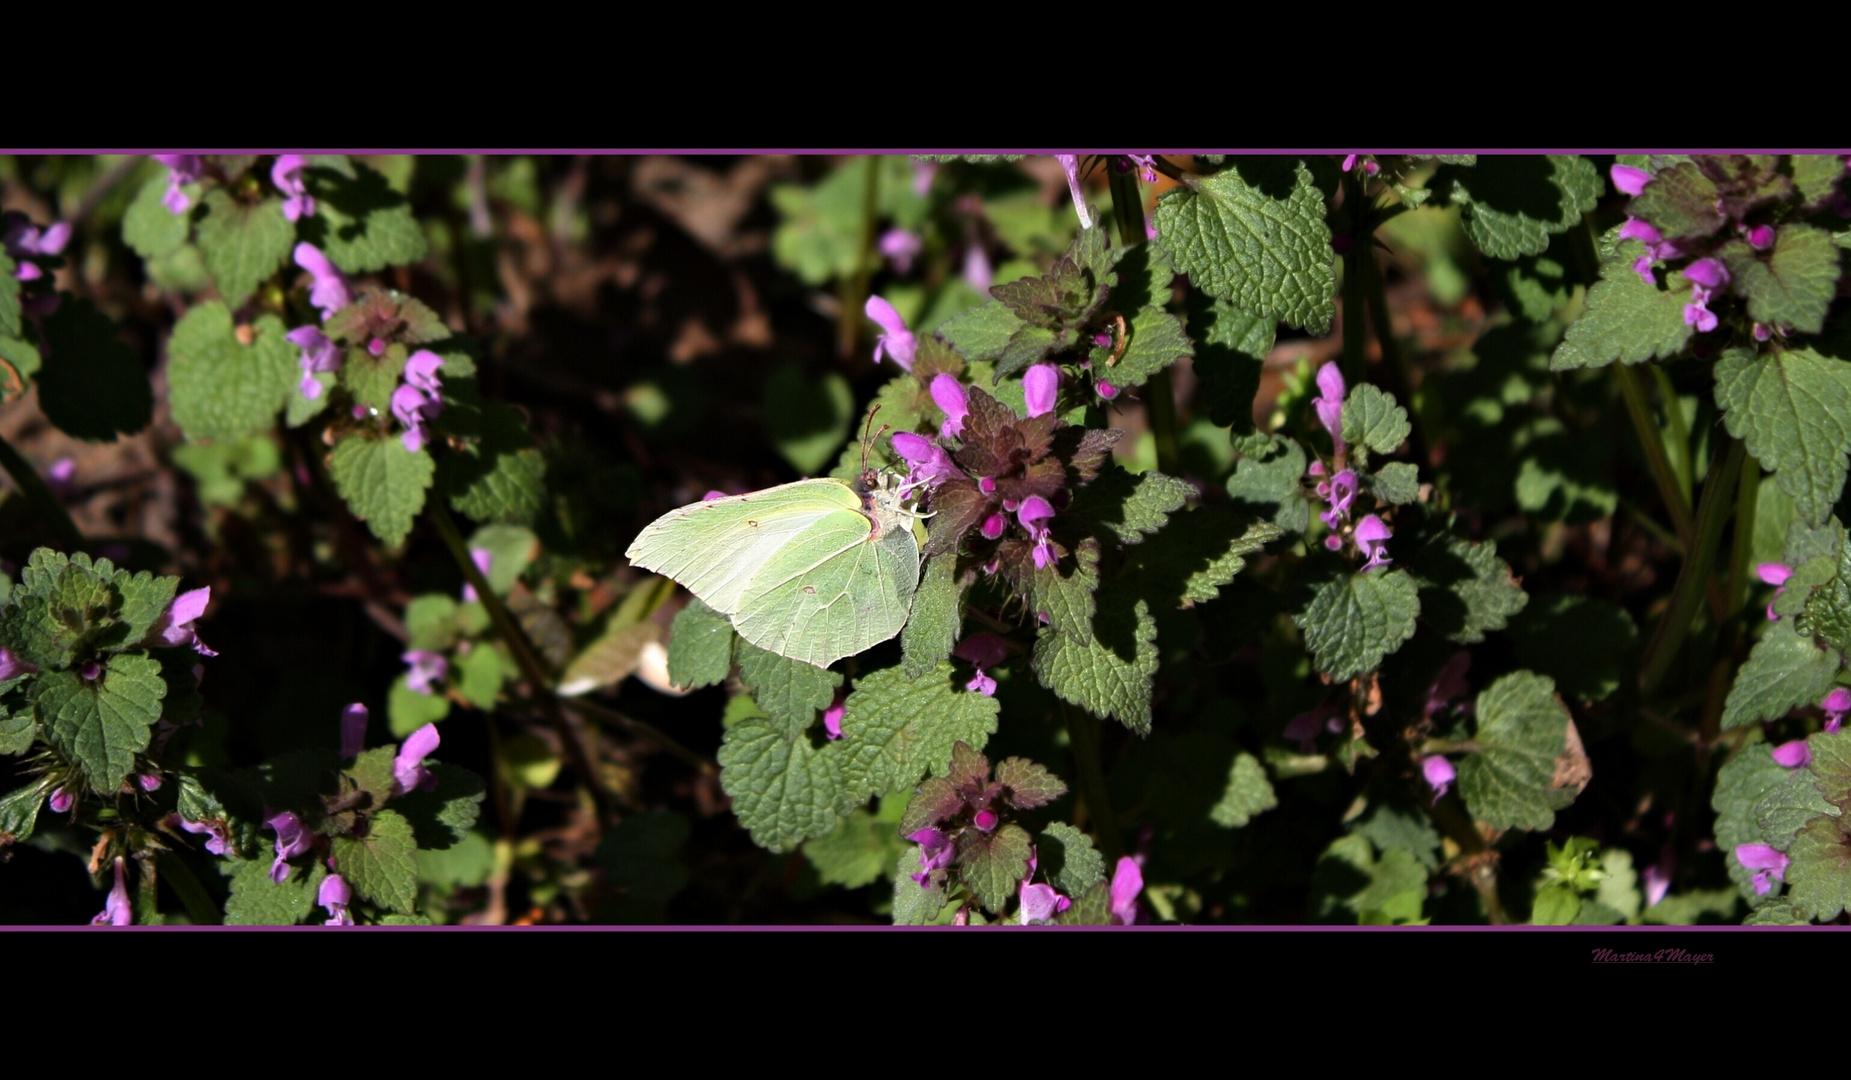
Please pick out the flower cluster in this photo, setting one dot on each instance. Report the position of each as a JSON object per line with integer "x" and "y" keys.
{"x": 1339, "y": 490}
{"x": 1769, "y": 865}
{"x": 24, "y": 240}
{"x": 183, "y": 169}
{"x": 418, "y": 399}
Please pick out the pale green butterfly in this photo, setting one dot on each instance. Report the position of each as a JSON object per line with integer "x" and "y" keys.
{"x": 815, "y": 570}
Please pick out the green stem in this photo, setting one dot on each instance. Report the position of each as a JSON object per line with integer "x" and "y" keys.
{"x": 1355, "y": 322}
{"x": 854, "y": 289}
{"x": 1680, "y": 431}
{"x": 646, "y": 730}
{"x": 1693, "y": 577}
{"x": 1747, "y": 497}
{"x": 179, "y": 877}
{"x": 1585, "y": 250}
{"x": 1397, "y": 371}
{"x": 38, "y": 494}
{"x": 1159, "y": 392}
{"x": 1083, "y": 733}
{"x": 532, "y": 669}
{"x": 1677, "y": 502}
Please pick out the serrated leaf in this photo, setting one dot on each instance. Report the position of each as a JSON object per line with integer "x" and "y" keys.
{"x": 1354, "y": 620}
{"x": 982, "y": 332}
{"x": 1230, "y": 354}
{"x": 1828, "y": 607}
{"x": 360, "y": 222}
{"x": 223, "y": 389}
{"x": 1027, "y": 784}
{"x": 19, "y": 813}
{"x": 1067, "y": 857}
{"x": 1108, "y": 672}
{"x": 1266, "y": 251}
{"x": 784, "y": 790}
{"x": 897, "y": 728}
{"x": 914, "y": 903}
{"x": 1465, "y": 589}
{"x": 243, "y": 243}
{"x": 1522, "y": 730}
{"x": 1028, "y": 346}
{"x": 1205, "y": 550}
{"x": 382, "y": 482}
{"x": 1778, "y": 913}
{"x": 17, "y": 729}
{"x": 1128, "y": 508}
{"x": 499, "y": 475}
{"x": 372, "y": 772}
{"x": 1626, "y": 318}
{"x": 1248, "y": 793}
{"x": 808, "y": 420}
{"x": 1157, "y": 341}
{"x": 861, "y": 851}
{"x": 1790, "y": 286}
{"x": 1793, "y": 409}
{"x": 1512, "y": 203}
{"x": 1819, "y": 877}
{"x": 992, "y": 865}
{"x": 1371, "y": 418}
{"x": 1066, "y": 598}
{"x": 1273, "y": 486}
{"x": 257, "y": 901}
{"x": 789, "y": 691}
{"x": 9, "y": 297}
{"x": 1830, "y": 767}
{"x": 642, "y": 856}
{"x": 1785, "y": 807}
{"x": 102, "y": 724}
{"x": 382, "y": 866}
{"x": 1680, "y": 202}
{"x": 92, "y": 386}
{"x": 1090, "y": 908}
{"x": 1397, "y": 482}
{"x": 700, "y": 647}
{"x": 442, "y": 816}
{"x": 1584, "y": 644}
{"x": 1390, "y": 826}
{"x": 1348, "y": 875}
{"x": 932, "y": 630}
{"x": 149, "y": 227}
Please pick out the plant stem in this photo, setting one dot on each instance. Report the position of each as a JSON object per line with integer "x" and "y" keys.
{"x": 1680, "y": 432}
{"x": 1083, "y": 733}
{"x": 854, "y": 290}
{"x": 1396, "y": 370}
{"x": 1355, "y": 321}
{"x": 179, "y": 877}
{"x": 1677, "y": 501}
{"x": 646, "y": 730}
{"x": 38, "y": 494}
{"x": 1693, "y": 577}
{"x": 1159, "y": 391}
{"x": 570, "y": 737}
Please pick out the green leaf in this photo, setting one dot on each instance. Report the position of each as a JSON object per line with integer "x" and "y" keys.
{"x": 1230, "y": 353}
{"x": 1828, "y": 607}
{"x": 148, "y": 226}
{"x": 360, "y": 222}
{"x": 1265, "y": 249}
{"x": 992, "y": 865}
{"x": 383, "y": 483}
{"x": 1397, "y": 482}
{"x": 499, "y": 475}
{"x": 19, "y": 813}
{"x": 1619, "y": 892}
{"x": 1793, "y": 409}
{"x": 1205, "y": 551}
{"x": 92, "y": 386}
{"x": 1354, "y": 620}
{"x": 1681, "y": 202}
{"x": 1522, "y": 730}
{"x": 1349, "y": 876}
{"x": 222, "y": 389}
{"x": 257, "y": 901}
{"x": 789, "y": 691}
{"x": 931, "y": 631}
{"x": 372, "y": 379}
{"x": 1272, "y": 486}
{"x": 982, "y": 332}
{"x": 102, "y": 724}
{"x": 1068, "y": 859}
{"x": 1465, "y": 589}
{"x": 1819, "y": 877}
{"x": 898, "y": 728}
{"x": 1389, "y": 825}
{"x": 1371, "y": 418}
{"x": 1247, "y": 795}
{"x": 1626, "y": 318}
{"x": 1128, "y": 509}
{"x": 243, "y": 243}
{"x": 1585, "y": 645}
{"x": 1790, "y": 286}
{"x": 700, "y": 647}
{"x": 1556, "y": 905}
{"x": 1108, "y": 673}
{"x": 1563, "y": 476}
{"x": 17, "y": 729}
{"x": 862, "y": 850}
{"x": 407, "y": 710}
{"x": 1740, "y": 784}
{"x": 914, "y": 904}
{"x": 1510, "y": 204}
{"x": 9, "y": 297}
{"x": 1831, "y": 766}
{"x": 808, "y": 420}
{"x": 1027, "y": 785}
{"x": 372, "y": 772}
{"x": 466, "y": 865}
{"x": 382, "y": 866}
{"x": 1090, "y": 908}
{"x": 1778, "y": 913}
{"x": 819, "y": 236}
{"x": 1785, "y": 807}
{"x": 1157, "y": 341}
{"x": 1068, "y": 601}
{"x": 642, "y": 856}
{"x": 442, "y": 816}
{"x": 1028, "y": 346}
{"x": 784, "y": 789}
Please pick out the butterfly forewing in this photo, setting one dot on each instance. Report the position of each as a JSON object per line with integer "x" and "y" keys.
{"x": 838, "y": 594}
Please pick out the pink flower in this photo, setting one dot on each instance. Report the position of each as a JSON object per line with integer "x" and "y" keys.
{"x": 1371, "y": 536}
{"x": 935, "y": 853}
{"x": 977, "y": 270}
{"x": 1705, "y": 276}
{"x": 61, "y": 800}
{"x": 901, "y": 246}
{"x": 1040, "y": 386}
{"x": 427, "y": 669}
{"x": 1629, "y": 180}
{"x": 408, "y": 771}
{"x": 328, "y": 289}
{"x": 175, "y": 626}
{"x": 983, "y": 650}
{"x": 1761, "y": 237}
{"x": 1329, "y": 402}
{"x": 897, "y": 342}
{"x": 1656, "y": 246}
{"x": 1127, "y": 883}
{"x": 291, "y": 840}
{"x": 1039, "y": 903}
{"x": 1836, "y": 705}
{"x": 927, "y": 463}
{"x": 1771, "y": 864}
{"x": 286, "y": 174}
{"x": 218, "y": 842}
{"x": 184, "y": 169}
{"x": 1105, "y": 389}
{"x": 1071, "y": 163}
{"x": 832, "y": 718}
{"x": 117, "y": 910}
{"x": 1793, "y": 755}
{"x": 1657, "y": 883}
{"x": 335, "y": 894}
{"x": 1341, "y": 491}
{"x": 1439, "y": 773}
{"x": 948, "y": 393}
{"x": 993, "y": 526}
{"x": 319, "y": 354}
{"x": 1033, "y": 512}
{"x": 1775, "y": 574}
{"x": 353, "y": 730}
{"x": 12, "y": 667}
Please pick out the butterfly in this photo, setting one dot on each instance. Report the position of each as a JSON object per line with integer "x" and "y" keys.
{"x": 814, "y": 570}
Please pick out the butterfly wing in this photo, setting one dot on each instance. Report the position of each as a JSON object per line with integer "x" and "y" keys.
{"x": 836, "y": 592}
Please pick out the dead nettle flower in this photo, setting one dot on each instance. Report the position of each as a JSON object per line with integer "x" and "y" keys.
{"x": 12, "y": 667}
{"x": 928, "y": 465}
{"x": 408, "y": 771}
{"x": 948, "y": 394}
{"x": 483, "y": 558}
{"x": 61, "y": 800}
{"x": 1329, "y": 402}
{"x": 923, "y": 172}
{"x": 901, "y": 246}
{"x": 117, "y": 911}
{"x": 897, "y": 341}
{"x": 353, "y": 730}
{"x": 175, "y": 626}
{"x": 1071, "y": 163}
{"x": 983, "y": 650}
{"x": 219, "y": 840}
{"x": 1372, "y": 534}
{"x": 1040, "y": 388}
{"x": 61, "y": 477}
{"x": 1304, "y": 727}
{"x": 832, "y": 717}
{"x": 1705, "y": 276}
{"x": 1339, "y": 492}
{"x": 1836, "y": 705}
{"x": 335, "y": 894}
{"x": 417, "y": 399}
{"x": 1127, "y": 883}
{"x": 1770, "y": 865}
{"x": 23, "y": 239}
{"x": 183, "y": 169}
{"x": 291, "y": 840}
{"x": 1370, "y": 168}
{"x": 148, "y": 782}
{"x": 977, "y": 272}
{"x": 1656, "y": 246}
{"x": 1033, "y": 512}
{"x": 286, "y": 174}
{"x": 1775, "y": 574}
{"x": 1439, "y": 773}
{"x": 319, "y": 355}
{"x": 1793, "y": 755}
{"x": 427, "y": 669}
{"x": 328, "y": 290}
{"x": 935, "y": 853}
{"x": 1039, "y": 903}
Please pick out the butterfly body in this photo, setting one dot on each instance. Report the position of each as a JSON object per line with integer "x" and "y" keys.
{"x": 813, "y": 570}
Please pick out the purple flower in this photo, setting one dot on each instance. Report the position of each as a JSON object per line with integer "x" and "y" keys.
{"x": 175, "y": 626}
{"x": 219, "y": 842}
{"x": 1836, "y": 705}
{"x": 61, "y": 800}
{"x": 898, "y": 342}
{"x": 1341, "y": 491}
{"x": 1040, "y": 386}
{"x": 286, "y": 174}
{"x": 977, "y": 270}
{"x": 21, "y": 238}
{"x": 1771, "y": 864}
{"x": 1329, "y": 402}
{"x": 1629, "y": 180}
{"x": 148, "y": 782}
{"x": 353, "y": 730}
{"x": 923, "y": 172}
{"x": 1656, "y": 246}
{"x": 408, "y": 771}
{"x": 1071, "y": 163}
{"x": 1793, "y": 755}
{"x": 335, "y": 895}
{"x": 1439, "y": 773}
{"x": 1369, "y": 167}
{"x": 949, "y": 394}
{"x": 1304, "y": 727}
{"x": 184, "y": 169}
{"x": 60, "y": 476}
{"x": 935, "y": 852}
{"x": 1371, "y": 534}
{"x": 1762, "y": 332}
{"x": 1775, "y": 574}
{"x": 985, "y": 820}
{"x": 1127, "y": 883}
{"x": 116, "y": 910}
{"x": 12, "y": 667}
{"x": 1657, "y": 883}
{"x": 993, "y": 526}
{"x": 483, "y": 559}
{"x": 291, "y": 840}
{"x": 1761, "y": 237}
{"x": 328, "y": 291}
{"x": 927, "y": 463}
{"x": 901, "y": 246}
{"x": 319, "y": 354}
{"x": 832, "y": 718}
{"x": 427, "y": 669}
{"x": 1105, "y": 389}
{"x": 421, "y": 371}
{"x": 1039, "y": 903}
{"x": 417, "y": 399}
{"x": 1033, "y": 511}
{"x": 983, "y": 650}
{"x": 1705, "y": 276}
